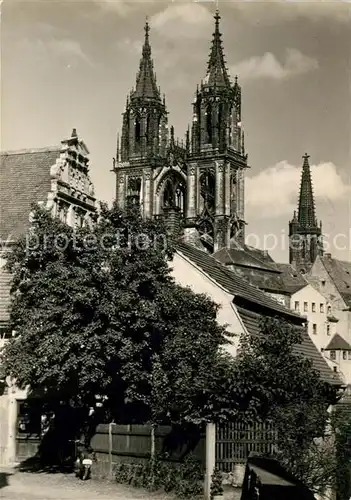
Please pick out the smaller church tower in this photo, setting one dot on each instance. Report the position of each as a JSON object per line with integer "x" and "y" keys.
{"x": 217, "y": 160}
{"x": 144, "y": 136}
{"x": 305, "y": 234}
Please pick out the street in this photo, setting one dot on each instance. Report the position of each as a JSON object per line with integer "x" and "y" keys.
{"x": 41, "y": 486}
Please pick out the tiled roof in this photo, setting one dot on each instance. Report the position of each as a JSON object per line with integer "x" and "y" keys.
{"x": 340, "y": 273}
{"x": 337, "y": 343}
{"x": 5, "y": 285}
{"x": 25, "y": 179}
{"x": 344, "y": 403}
{"x": 306, "y": 348}
{"x": 252, "y": 303}
{"x": 262, "y": 255}
{"x": 266, "y": 275}
{"x": 229, "y": 280}
{"x": 241, "y": 257}
{"x": 292, "y": 280}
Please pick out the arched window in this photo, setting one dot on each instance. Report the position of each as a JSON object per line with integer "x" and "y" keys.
{"x": 221, "y": 125}
{"x": 148, "y": 130}
{"x": 209, "y": 124}
{"x": 173, "y": 195}
{"x": 207, "y": 191}
{"x": 137, "y": 133}
{"x": 133, "y": 191}
{"x": 168, "y": 195}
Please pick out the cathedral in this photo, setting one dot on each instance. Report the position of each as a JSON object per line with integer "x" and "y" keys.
{"x": 199, "y": 180}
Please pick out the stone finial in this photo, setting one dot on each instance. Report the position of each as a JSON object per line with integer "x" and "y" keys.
{"x": 74, "y": 133}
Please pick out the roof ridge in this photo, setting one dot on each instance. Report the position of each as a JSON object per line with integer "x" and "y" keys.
{"x": 263, "y": 299}
{"x": 31, "y": 150}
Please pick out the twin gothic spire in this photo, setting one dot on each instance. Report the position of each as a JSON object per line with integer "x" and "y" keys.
{"x": 217, "y": 73}
{"x": 146, "y": 87}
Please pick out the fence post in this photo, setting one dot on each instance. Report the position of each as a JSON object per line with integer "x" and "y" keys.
{"x": 110, "y": 448}
{"x": 210, "y": 457}
{"x": 152, "y": 451}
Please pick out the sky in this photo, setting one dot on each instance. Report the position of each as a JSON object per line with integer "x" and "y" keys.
{"x": 71, "y": 63}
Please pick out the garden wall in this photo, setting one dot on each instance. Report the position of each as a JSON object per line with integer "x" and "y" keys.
{"x": 114, "y": 444}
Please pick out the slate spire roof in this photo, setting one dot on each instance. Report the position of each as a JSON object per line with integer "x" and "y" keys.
{"x": 146, "y": 87}
{"x": 217, "y": 73}
{"x": 306, "y": 213}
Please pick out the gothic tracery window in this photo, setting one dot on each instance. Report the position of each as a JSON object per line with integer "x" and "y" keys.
{"x": 207, "y": 192}
{"x": 133, "y": 191}
{"x": 209, "y": 123}
{"x": 148, "y": 130}
{"x": 174, "y": 193}
{"x": 137, "y": 133}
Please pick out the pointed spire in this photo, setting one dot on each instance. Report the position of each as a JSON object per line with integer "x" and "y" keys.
{"x": 146, "y": 86}
{"x": 217, "y": 74}
{"x": 306, "y": 212}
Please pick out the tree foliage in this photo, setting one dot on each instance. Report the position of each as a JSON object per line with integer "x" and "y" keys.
{"x": 97, "y": 313}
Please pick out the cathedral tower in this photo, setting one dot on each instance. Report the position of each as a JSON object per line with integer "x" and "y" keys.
{"x": 217, "y": 159}
{"x": 199, "y": 180}
{"x": 144, "y": 136}
{"x": 305, "y": 234}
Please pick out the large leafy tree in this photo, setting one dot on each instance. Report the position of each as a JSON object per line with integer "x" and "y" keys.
{"x": 96, "y": 312}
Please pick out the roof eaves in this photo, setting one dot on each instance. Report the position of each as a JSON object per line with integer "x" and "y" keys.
{"x": 30, "y": 150}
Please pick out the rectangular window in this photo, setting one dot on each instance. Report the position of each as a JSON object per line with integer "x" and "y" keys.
{"x": 329, "y": 310}
{"x": 313, "y": 307}
{"x": 344, "y": 355}
{"x": 314, "y": 328}
{"x": 297, "y": 306}
{"x": 349, "y": 354}
{"x": 328, "y": 329}
{"x": 332, "y": 355}
{"x": 305, "y": 307}
{"x": 321, "y": 308}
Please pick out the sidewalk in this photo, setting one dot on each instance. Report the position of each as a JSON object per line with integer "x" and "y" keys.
{"x": 42, "y": 486}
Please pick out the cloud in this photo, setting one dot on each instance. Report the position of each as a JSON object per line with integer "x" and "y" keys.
{"x": 271, "y": 13}
{"x": 130, "y": 46}
{"x": 182, "y": 21}
{"x": 268, "y": 66}
{"x": 65, "y": 48}
{"x": 274, "y": 191}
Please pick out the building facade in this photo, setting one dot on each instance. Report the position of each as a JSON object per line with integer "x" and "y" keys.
{"x": 311, "y": 304}
{"x": 57, "y": 178}
{"x": 199, "y": 180}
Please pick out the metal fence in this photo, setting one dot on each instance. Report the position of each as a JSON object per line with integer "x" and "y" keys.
{"x": 235, "y": 441}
